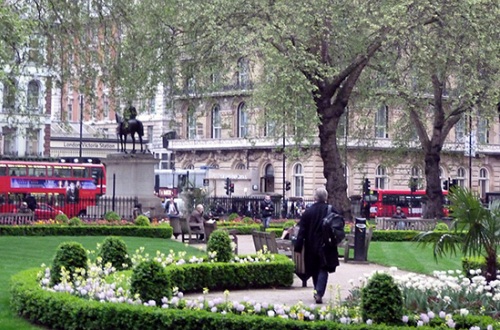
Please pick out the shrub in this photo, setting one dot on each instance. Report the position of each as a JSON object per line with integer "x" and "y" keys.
{"x": 114, "y": 251}
{"x": 142, "y": 220}
{"x": 70, "y": 255}
{"x": 289, "y": 223}
{"x": 75, "y": 221}
{"x": 441, "y": 226}
{"x": 220, "y": 242}
{"x": 150, "y": 280}
{"x": 112, "y": 216}
{"x": 61, "y": 218}
{"x": 232, "y": 217}
{"x": 382, "y": 300}
{"x": 248, "y": 221}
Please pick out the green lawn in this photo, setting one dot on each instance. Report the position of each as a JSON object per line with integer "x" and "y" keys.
{"x": 19, "y": 253}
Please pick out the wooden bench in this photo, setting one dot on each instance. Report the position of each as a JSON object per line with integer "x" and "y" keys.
{"x": 176, "y": 226}
{"x": 273, "y": 245}
{"x": 189, "y": 235}
{"x": 16, "y": 218}
{"x": 409, "y": 224}
{"x": 348, "y": 244}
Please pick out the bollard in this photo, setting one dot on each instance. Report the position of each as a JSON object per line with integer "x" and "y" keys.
{"x": 360, "y": 240}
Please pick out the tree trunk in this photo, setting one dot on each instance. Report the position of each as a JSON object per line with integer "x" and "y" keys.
{"x": 491, "y": 266}
{"x": 434, "y": 201}
{"x": 333, "y": 167}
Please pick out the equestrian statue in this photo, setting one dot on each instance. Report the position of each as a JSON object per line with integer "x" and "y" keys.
{"x": 130, "y": 126}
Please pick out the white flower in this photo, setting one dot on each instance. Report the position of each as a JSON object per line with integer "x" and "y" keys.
{"x": 270, "y": 313}
{"x": 369, "y": 322}
{"x": 405, "y": 319}
{"x": 464, "y": 312}
{"x": 420, "y": 323}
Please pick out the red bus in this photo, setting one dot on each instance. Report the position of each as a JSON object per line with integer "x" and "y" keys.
{"x": 63, "y": 186}
{"x": 383, "y": 203}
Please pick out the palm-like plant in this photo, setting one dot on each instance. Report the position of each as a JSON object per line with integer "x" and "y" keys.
{"x": 475, "y": 230}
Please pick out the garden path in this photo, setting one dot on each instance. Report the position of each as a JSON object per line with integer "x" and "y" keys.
{"x": 347, "y": 275}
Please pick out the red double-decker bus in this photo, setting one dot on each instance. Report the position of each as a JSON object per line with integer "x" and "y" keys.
{"x": 63, "y": 186}
{"x": 383, "y": 203}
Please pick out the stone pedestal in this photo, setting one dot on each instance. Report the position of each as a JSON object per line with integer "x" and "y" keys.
{"x": 132, "y": 175}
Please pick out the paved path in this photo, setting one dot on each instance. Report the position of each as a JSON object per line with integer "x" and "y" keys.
{"x": 340, "y": 280}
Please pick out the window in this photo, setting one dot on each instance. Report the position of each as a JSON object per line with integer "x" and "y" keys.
{"x": 70, "y": 110}
{"x": 9, "y": 140}
{"x": 416, "y": 173}
{"x": 32, "y": 141}
{"x": 267, "y": 181}
{"x": 270, "y": 128}
{"x": 482, "y": 131}
{"x": 35, "y": 50}
{"x": 152, "y": 106}
{"x": 216, "y": 122}
{"x": 342, "y": 127}
{"x": 191, "y": 125}
{"x": 483, "y": 182}
{"x": 461, "y": 177}
{"x": 240, "y": 166}
{"x": 381, "y": 180}
{"x": 9, "y": 95}
{"x": 150, "y": 134}
{"x": 33, "y": 96}
{"x": 105, "y": 107}
{"x": 242, "y": 120}
{"x": 298, "y": 180}
{"x": 460, "y": 130}
{"x": 243, "y": 73}
{"x": 381, "y": 122}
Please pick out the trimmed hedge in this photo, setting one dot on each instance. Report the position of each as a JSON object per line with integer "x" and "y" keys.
{"x": 53, "y": 230}
{"x": 64, "y": 311}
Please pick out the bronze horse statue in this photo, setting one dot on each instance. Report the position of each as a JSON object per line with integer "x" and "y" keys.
{"x": 126, "y": 127}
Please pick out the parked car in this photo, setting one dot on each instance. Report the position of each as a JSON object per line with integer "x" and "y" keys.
{"x": 44, "y": 211}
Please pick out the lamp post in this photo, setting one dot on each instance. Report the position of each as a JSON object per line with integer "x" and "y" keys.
{"x": 284, "y": 179}
{"x": 81, "y": 124}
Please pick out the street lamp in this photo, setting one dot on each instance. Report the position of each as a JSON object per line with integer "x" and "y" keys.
{"x": 81, "y": 123}
{"x": 284, "y": 179}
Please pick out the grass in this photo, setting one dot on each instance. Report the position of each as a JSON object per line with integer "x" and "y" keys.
{"x": 20, "y": 253}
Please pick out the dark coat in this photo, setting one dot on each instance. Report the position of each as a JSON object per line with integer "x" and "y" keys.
{"x": 311, "y": 237}
{"x": 270, "y": 208}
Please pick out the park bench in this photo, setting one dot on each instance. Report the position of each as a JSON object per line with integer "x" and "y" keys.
{"x": 348, "y": 243}
{"x": 176, "y": 226}
{"x": 273, "y": 245}
{"x": 188, "y": 234}
{"x": 16, "y": 218}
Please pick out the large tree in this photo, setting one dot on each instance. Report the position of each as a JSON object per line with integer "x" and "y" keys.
{"x": 444, "y": 68}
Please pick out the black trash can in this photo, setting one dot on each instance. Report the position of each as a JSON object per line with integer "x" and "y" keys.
{"x": 360, "y": 240}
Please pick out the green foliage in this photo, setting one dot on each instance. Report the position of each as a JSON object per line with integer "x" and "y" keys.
{"x": 289, "y": 223}
{"x": 75, "y": 221}
{"x": 48, "y": 230}
{"x": 151, "y": 282}
{"x": 220, "y": 242}
{"x": 112, "y": 216}
{"x": 142, "y": 220}
{"x": 71, "y": 256}
{"x": 441, "y": 226}
{"x": 114, "y": 251}
{"x": 248, "y": 221}
{"x": 62, "y": 218}
{"x": 232, "y": 217}
{"x": 382, "y": 300}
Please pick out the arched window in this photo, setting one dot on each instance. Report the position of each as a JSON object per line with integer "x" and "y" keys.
{"x": 33, "y": 96}
{"x": 189, "y": 167}
{"x": 381, "y": 179}
{"x": 484, "y": 181}
{"x": 267, "y": 181}
{"x": 216, "y": 122}
{"x": 243, "y": 73}
{"x": 240, "y": 166}
{"x": 242, "y": 120}
{"x": 298, "y": 180}
{"x": 461, "y": 176}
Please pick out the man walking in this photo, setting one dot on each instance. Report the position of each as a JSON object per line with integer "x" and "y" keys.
{"x": 310, "y": 237}
{"x": 267, "y": 209}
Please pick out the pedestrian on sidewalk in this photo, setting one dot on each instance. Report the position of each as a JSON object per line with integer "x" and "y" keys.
{"x": 310, "y": 237}
{"x": 267, "y": 209}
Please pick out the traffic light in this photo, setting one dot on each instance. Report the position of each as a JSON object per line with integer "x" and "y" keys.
{"x": 288, "y": 185}
{"x": 227, "y": 186}
{"x": 366, "y": 187}
{"x": 231, "y": 187}
{"x": 446, "y": 185}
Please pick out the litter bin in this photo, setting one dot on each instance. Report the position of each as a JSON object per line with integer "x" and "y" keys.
{"x": 360, "y": 240}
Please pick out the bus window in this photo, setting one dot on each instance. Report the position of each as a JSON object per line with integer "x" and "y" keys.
{"x": 97, "y": 175}
{"x": 3, "y": 170}
{"x": 17, "y": 170}
{"x": 37, "y": 170}
{"x": 62, "y": 171}
{"x": 80, "y": 172}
